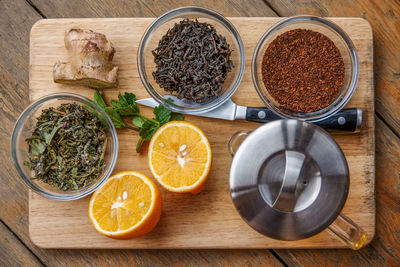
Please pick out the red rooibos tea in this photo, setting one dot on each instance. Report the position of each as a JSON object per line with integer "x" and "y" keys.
{"x": 303, "y": 70}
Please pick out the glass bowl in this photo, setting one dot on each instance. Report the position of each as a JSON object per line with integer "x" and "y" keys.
{"x": 342, "y": 42}
{"x": 151, "y": 38}
{"x": 23, "y": 129}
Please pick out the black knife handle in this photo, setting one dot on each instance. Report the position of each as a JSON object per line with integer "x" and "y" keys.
{"x": 261, "y": 115}
{"x": 346, "y": 120}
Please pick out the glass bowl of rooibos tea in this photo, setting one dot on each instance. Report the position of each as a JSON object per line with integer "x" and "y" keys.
{"x": 305, "y": 67}
{"x": 191, "y": 59}
{"x": 64, "y": 146}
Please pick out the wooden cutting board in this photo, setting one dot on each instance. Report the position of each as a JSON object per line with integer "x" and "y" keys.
{"x": 209, "y": 219}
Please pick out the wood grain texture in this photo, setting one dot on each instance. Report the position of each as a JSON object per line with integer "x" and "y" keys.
{"x": 13, "y": 252}
{"x": 207, "y": 220}
{"x": 385, "y": 19}
{"x": 388, "y": 195}
{"x": 145, "y": 8}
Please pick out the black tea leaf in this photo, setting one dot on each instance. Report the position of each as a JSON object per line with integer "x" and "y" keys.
{"x": 192, "y": 61}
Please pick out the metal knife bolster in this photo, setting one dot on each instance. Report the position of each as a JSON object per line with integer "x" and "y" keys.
{"x": 240, "y": 112}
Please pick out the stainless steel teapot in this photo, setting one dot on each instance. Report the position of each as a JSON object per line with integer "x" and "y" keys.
{"x": 289, "y": 180}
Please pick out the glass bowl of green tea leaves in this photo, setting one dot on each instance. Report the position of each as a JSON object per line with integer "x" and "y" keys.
{"x": 191, "y": 59}
{"x": 64, "y": 146}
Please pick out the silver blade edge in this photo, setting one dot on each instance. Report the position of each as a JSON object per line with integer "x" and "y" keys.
{"x": 227, "y": 111}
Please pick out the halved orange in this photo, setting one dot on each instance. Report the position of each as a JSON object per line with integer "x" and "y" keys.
{"x": 180, "y": 157}
{"x": 127, "y": 205}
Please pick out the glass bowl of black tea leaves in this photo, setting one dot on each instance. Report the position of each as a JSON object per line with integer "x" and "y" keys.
{"x": 64, "y": 146}
{"x": 191, "y": 60}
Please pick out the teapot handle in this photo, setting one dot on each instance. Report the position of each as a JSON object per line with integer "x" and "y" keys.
{"x": 287, "y": 196}
{"x": 234, "y": 140}
{"x": 348, "y": 231}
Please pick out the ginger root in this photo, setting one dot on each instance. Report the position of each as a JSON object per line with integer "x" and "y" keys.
{"x": 90, "y": 60}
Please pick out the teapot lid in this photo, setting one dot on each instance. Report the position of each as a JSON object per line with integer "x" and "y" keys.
{"x": 289, "y": 179}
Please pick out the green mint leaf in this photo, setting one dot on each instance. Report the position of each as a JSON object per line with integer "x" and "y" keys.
{"x": 169, "y": 101}
{"x": 137, "y": 121}
{"x": 126, "y": 105}
{"x": 115, "y": 117}
{"x": 139, "y": 144}
{"x": 115, "y": 103}
{"x": 126, "y": 111}
{"x": 130, "y": 99}
{"x": 163, "y": 114}
{"x": 99, "y": 100}
{"x": 176, "y": 117}
{"x": 122, "y": 100}
{"x": 148, "y": 129}
{"x": 121, "y": 103}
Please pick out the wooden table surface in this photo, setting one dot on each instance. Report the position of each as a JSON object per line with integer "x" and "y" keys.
{"x": 18, "y": 16}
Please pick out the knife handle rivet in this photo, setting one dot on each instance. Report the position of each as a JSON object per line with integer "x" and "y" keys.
{"x": 341, "y": 120}
{"x": 261, "y": 114}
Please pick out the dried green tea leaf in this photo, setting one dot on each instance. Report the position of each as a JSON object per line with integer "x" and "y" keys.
{"x": 36, "y": 147}
{"x": 101, "y": 118}
{"x": 30, "y": 165}
{"x": 50, "y": 136}
{"x": 67, "y": 147}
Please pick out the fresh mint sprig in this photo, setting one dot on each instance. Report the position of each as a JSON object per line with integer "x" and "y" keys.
{"x": 126, "y": 106}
